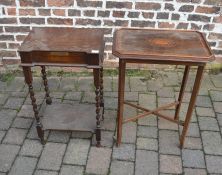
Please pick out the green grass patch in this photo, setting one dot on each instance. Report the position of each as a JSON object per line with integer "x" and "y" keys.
{"x": 215, "y": 68}
{"x": 7, "y": 77}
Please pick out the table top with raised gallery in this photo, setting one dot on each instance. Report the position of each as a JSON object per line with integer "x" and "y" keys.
{"x": 161, "y": 46}
{"x": 151, "y": 46}
{"x": 82, "y": 47}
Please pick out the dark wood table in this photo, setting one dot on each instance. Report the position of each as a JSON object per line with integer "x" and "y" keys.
{"x": 172, "y": 47}
{"x": 65, "y": 47}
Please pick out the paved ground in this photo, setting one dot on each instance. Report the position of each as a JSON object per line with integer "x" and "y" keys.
{"x": 150, "y": 145}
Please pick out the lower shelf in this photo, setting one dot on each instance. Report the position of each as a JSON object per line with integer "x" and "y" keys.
{"x": 67, "y": 117}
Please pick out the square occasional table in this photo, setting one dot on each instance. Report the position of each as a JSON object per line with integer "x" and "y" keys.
{"x": 171, "y": 47}
{"x": 65, "y": 47}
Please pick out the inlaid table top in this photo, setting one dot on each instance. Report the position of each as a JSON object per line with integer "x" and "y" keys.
{"x": 162, "y": 45}
{"x": 63, "y": 39}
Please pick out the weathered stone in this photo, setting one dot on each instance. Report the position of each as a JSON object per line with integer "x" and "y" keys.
{"x": 45, "y": 172}
{"x": 3, "y": 98}
{"x": 68, "y": 169}
{"x": 219, "y": 118}
{"x": 77, "y": 152}
{"x": 217, "y": 107}
{"x": 39, "y": 98}
{"x": 193, "y": 130}
{"x": 52, "y": 156}
{"x": 214, "y": 164}
{"x": 23, "y": 123}
{"x": 183, "y": 113}
{"x": 59, "y": 136}
{"x": 170, "y": 164}
{"x": 115, "y": 84}
{"x": 106, "y": 140}
{"x": 217, "y": 79}
{"x": 193, "y": 143}
{"x": 191, "y": 171}
{"x": 107, "y": 83}
{"x": 81, "y": 135}
{"x": 171, "y": 79}
{"x": 212, "y": 142}
{"x": 31, "y": 148}
{"x": 165, "y": 92}
{"x": 110, "y": 103}
{"x": 193, "y": 158}
{"x": 76, "y": 96}
{"x": 7, "y": 156}
{"x": 137, "y": 84}
{"x": 53, "y": 83}
{"x": 6, "y": 118}
{"x": 124, "y": 152}
{"x": 147, "y": 144}
{"x": 68, "y": 84}
{"x": 147, "y": 131}
{"x": 147, "y": 101}
{"x": 14, "y": 103}
{"x": 17, "y": 84}
{"x": 2, "y": 134}
{"x": 56, "y": 95}
{"x": 216, "y": 95}
{"x": 151, "y": 120}
{"x": 32, "y": 134}
{"x": 208, "y": 123}
{"x": 205, "y": 112}
{"x": 15, "y": 136}
{"x": 121, "y": 167}
{"x": 23, "y": 166}
{"x": 85, "y": 84}
{"x": 145, "y": 158}
{"x": 163, "y": 101}
{"x": 98, "y": 161}
{"x": 89, "y": 97}
{"x": 186, "y": 97}
{"x": 129, "y": 132}
{"x": 165, "y": 124}
{"x": 203, "y": 101}
{"x": 169, "y": 142}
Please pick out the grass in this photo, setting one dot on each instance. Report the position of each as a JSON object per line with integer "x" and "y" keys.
{"x": 215, "y": 68}
{"x": 7, "y": 77}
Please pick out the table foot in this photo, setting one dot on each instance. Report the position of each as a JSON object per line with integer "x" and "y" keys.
{"x": 48, "y": 100}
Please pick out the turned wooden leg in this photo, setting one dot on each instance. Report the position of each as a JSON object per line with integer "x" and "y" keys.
{"x": 101, "y": 92}
{"x": 45, "y": 82}
{"x": 182, "y": 89}
{"x": 28, "y": 80}
{"x": 122, "y": 67}
{"x": 96, "y": 73}
{"x": 194, "y": 94}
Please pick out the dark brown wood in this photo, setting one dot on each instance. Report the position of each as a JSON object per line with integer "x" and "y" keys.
{"x": 182, "y": 89}
{"x": 96, "y": 73}
{"x": 64, "y": 47}
{"x": 194, "y": 94}
{"x": 155, "y": 111}
{"x": 162, "y": 45}
{"x": 28, "y": 80}
{"x": 122, "y": 67}
{"x": 45, "y": 82}
{"x": 101, "y": 93}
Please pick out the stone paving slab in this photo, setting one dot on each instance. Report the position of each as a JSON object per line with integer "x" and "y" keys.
{"x": 149, "y": 145}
